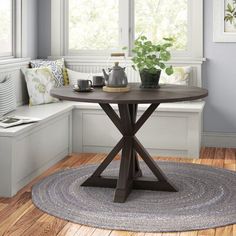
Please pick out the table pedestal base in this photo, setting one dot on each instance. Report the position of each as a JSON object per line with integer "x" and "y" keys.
{"x": 130, "y": 174}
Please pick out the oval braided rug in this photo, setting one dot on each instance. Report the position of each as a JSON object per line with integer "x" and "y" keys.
{"x": 206, "y": 199}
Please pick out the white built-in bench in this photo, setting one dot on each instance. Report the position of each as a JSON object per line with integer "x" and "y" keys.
{"x": 173, "y": 129}
{"x": 28, "y": 150}
{"x": 69, "y": 127}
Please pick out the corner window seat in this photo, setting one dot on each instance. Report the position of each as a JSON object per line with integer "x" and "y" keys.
{"x": 69, "y": 127}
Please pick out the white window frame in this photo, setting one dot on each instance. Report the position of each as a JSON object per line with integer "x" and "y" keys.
{"x": 10, "y": 54}
{"x": 16, "y": 33}
{"x": 59, "y": 33}
{"x": 122, "y": 15}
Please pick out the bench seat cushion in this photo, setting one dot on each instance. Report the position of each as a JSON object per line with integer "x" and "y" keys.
{"x": 50, "y": 111}
{"x": 43, "y": 112}
{"x": 192, "y": 107}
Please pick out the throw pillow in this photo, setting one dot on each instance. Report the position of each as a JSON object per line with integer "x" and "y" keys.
{"x": 180, "y": 76}
{"x": 75, "y": 75}
{"x": 57, "y": 67}
{"x": 39, "y": 83}
{"x": 7, "y": 95}
{"x": 66, "y": 76}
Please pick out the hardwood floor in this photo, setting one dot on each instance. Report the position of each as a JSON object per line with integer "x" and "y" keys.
{"x": 18, "y": 216}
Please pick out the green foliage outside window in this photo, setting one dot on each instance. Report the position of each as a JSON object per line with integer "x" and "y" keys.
{"x": 94, "y": 25}
{"x": 5, "y": 26}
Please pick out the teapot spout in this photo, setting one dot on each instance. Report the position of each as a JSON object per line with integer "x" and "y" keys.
{"x": 106, "y": 76}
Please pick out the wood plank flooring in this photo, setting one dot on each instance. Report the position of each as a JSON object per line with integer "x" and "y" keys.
{"x": 18, "y": 215}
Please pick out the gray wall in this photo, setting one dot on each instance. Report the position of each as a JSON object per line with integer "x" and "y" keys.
{"x": 219, "y": 72}
{"x": 219, "y": 75}
{"x": 44, "y": 28}
{"x": 30, "y": 29}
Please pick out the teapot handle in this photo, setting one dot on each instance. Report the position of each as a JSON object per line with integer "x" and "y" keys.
{"x": 117, "y": 54}
{"x": 90, "y": 82}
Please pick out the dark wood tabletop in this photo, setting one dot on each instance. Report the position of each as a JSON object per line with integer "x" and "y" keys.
{"x": 137, "y": 95}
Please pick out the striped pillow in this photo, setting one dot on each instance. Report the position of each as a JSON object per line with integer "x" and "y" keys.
{"x": 7, "y": 96}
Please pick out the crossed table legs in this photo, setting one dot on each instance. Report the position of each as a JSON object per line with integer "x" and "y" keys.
{"x": 130, "y": 174}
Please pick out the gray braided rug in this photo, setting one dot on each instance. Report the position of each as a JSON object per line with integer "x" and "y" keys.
{"x": 206, "y": 199}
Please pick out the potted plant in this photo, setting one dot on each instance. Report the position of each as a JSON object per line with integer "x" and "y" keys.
{"x": 150, "y": 59}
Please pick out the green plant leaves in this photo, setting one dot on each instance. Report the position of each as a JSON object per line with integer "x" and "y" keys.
{"x": 162, "y": 65}
{"x": 169, "y": 39}
{"x": 143, "y": 38}
{"x": 165, "y": 55}
{"x": 152, "y": 57}
{"x": 169, "y": 70}
{"x": 230, "y": 12}
{"x": 230, "y": 8}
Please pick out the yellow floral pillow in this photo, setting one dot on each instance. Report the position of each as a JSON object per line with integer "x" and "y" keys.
{"x": 40, "y": 81}
{"x": 180, "y": 76}
{"x": 57, "y": 67}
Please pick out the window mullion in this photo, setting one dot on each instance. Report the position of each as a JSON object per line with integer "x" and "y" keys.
{"x": 124, "y": 25}
{"x": 57, "y": 29}
{"x": 16, "y": 28}
{"x": 65, "y": 25}
{"x": 13, "y": 20}
{"x": 131, "y": 25}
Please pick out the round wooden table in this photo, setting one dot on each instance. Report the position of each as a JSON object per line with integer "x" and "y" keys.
{"x": 130, "y": 174}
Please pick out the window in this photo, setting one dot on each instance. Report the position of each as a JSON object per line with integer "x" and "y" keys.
{"x": 6, "y": 28}
{"x": 158, "y": 19}
{"x": 94, "y": 27}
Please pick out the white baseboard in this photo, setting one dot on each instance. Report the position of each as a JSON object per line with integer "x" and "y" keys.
{"x": 213, "y": 139}
{"x": 152, "y": 151}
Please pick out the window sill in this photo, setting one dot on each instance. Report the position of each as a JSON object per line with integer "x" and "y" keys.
{"x": 13, "y": 62}
{"x": 103, "y": 59}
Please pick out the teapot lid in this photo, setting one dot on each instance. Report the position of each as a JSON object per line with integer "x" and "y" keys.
{"x": 116, "y": 66}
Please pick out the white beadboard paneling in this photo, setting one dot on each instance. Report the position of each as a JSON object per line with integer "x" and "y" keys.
{"x": 91, "y": 66}
{"x": 132, "y": 75}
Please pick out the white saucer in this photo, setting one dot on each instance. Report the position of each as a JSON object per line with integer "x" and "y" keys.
{"x": 76, "y": 89}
